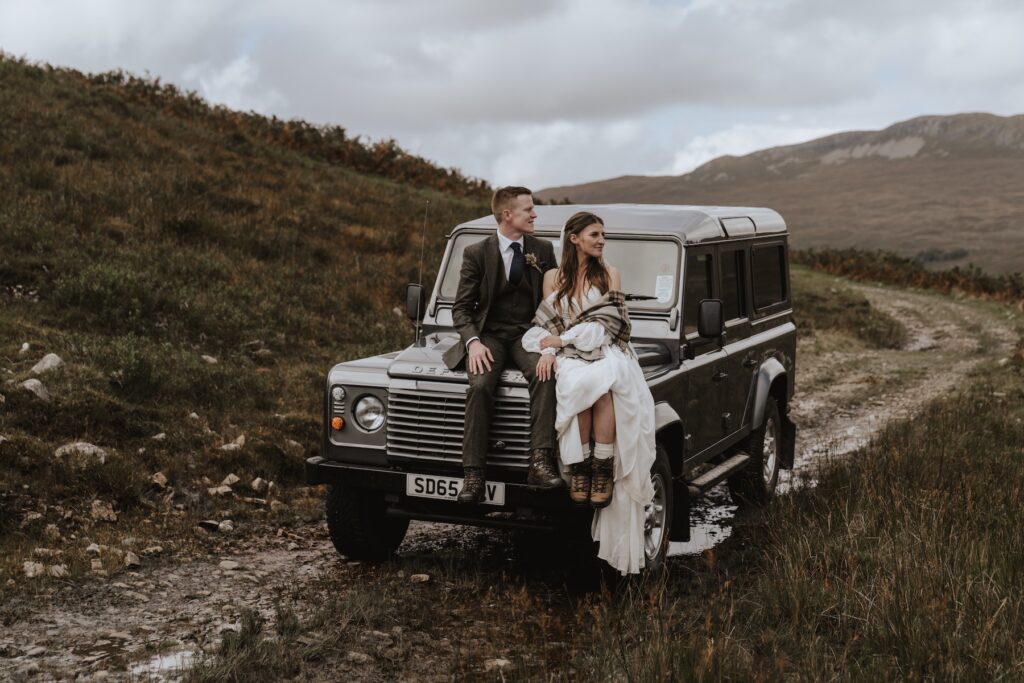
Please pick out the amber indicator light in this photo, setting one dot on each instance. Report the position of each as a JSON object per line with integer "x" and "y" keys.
{"x": 337, "y": 423}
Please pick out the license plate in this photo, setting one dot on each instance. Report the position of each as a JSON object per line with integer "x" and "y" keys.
{"x": 447, "y": 488}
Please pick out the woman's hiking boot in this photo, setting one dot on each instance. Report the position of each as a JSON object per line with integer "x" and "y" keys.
{"x": 602, "y": 481}
{"x": 579, "y": 482}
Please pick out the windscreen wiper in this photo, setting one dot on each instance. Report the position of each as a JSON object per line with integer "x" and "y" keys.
{"x": 639, "y": 297}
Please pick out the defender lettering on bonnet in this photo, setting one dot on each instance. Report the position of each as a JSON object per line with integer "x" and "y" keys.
{"x": 707, "y": 291}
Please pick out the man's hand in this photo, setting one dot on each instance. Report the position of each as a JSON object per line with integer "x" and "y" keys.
{"x": 546, "y": 367}
{"x": 480, "y": 358}
{"x": 551, "y": 342}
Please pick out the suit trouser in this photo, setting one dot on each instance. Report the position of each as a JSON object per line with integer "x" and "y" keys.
{"x": 480, "y": 399}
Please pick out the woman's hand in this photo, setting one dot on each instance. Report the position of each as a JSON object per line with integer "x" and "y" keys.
{"x": 551, "y": 342}
{"x": 546, "y": 367}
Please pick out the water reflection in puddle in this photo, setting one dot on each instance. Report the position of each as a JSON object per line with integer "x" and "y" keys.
{"x": 710, "y": 523}
{"x": 171, "y": 664}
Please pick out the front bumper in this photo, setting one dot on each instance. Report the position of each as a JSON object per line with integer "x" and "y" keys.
{"x": 524, "y": 507}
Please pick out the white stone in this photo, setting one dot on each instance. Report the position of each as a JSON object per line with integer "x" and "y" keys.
{"x": 33, "y": 569}
{"x": 93, "y": 549}
{"x": 419, "y": 578}
{"x": 240, "y": 440}
{"x": 230, "y": 447}
{"x": 226, "y": 527}
{"x": 50, "y": 361}
{"x": 131, "y": 560}
{"x": 103, "y": 512}
{"x": 159, "y": 480}
{"x": 83, "y": 450}
{"x": 3, "y": 439}
{"x": 159, "y": 437}
{"x": 496, "y": 665}
{"x": 193, "y": 416}
{"x": 258, "y": 485}
{"x": 24, "y": 349}
{"x": 229, "y": 565}
{"x": 210, "y": 360}
{"x": 230, "y": 480}
{"x": 219, "y": 490}
{"x": 35, "y": 387}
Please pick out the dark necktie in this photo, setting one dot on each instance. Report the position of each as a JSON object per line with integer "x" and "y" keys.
{"x": 515, "y": 273}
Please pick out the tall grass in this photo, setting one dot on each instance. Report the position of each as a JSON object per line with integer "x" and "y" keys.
{"x": 881, "y": 266}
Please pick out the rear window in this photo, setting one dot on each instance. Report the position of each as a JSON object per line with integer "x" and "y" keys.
{"x": 768, "y": 275}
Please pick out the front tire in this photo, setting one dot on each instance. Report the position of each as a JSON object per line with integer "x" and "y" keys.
{"x": 755, "y": 485}
{"x": 658, "y": 514}
{"x": 359, "y": 525}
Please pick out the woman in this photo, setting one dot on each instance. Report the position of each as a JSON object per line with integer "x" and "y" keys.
{"x": 605, "y": 414}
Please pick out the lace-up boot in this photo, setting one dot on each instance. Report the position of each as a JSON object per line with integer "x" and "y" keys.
{"x": 542, "y": 474}
{"x": 472, "y": 486}
{"x": 602, "y": 481}
{"x": 579, "y": 482}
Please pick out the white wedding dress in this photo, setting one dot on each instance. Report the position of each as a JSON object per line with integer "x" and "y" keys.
{"x": 618, "y": 528}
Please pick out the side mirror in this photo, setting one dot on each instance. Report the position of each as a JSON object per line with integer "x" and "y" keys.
{"x": 709, "y": 318}
{"x": 415, "y": 302}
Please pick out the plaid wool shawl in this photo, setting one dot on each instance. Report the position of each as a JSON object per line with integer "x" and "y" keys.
{"x": 609, "y": 311}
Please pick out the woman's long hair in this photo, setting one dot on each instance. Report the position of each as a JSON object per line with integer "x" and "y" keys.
{"x": 597, "y": 273}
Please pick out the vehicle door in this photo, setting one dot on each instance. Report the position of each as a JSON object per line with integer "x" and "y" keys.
{"x": 741, "y": 354}
{"x": 704, "y": 396}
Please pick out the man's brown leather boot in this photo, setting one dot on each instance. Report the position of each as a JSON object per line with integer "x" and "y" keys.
{"x": 542, "y": 474}
{"x": 579, "y": 482}
{"x": 472, "y": 486}
{"x": 602, "y": 482}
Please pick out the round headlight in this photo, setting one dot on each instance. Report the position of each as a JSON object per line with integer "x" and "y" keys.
{"x": 369, "y": 413}
{"x": 338, "y": 394}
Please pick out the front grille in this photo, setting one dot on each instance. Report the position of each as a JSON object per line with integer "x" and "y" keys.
{"x": 430, "y": 427}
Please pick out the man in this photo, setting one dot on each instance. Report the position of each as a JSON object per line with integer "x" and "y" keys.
{"x": 500, "y": 286}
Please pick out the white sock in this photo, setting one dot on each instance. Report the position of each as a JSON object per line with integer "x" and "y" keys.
{"x": 603, "y": 451}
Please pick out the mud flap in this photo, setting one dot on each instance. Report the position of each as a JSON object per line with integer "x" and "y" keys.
{"x": 680, "y": 529}
{"x": 788, "y": 441}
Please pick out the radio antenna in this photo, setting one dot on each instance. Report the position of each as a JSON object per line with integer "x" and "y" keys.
{"x": 419, "y": 279}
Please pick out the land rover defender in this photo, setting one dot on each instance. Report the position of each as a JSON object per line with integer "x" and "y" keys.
{"x": 709, "y": 299}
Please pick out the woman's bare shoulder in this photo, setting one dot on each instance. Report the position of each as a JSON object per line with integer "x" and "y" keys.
{"x": 549, "y": 281}
{"x": 614, "y": 278}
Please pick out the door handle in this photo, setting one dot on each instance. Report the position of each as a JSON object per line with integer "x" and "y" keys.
{"x": 719, "y": 376}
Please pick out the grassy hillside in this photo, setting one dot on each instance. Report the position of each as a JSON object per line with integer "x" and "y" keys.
{"x": 140, "y": 234}
{"x": 946, "y": 189}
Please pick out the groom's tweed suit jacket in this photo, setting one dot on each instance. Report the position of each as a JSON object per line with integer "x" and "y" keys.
{"x": 479, "y": 283}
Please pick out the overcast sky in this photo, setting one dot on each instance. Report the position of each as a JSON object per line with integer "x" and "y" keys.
{"x": 552, "y": 92}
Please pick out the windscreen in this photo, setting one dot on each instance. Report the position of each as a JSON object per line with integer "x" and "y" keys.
{"x": 649, "y": 267}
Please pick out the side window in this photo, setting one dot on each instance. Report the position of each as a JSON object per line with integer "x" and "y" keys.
{"x": 733, "y": 289}
{"x": 768, "y": 271}
{"x": 699, "y": 276}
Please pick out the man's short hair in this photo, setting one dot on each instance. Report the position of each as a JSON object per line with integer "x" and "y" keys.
{"x": 503, "y": 197}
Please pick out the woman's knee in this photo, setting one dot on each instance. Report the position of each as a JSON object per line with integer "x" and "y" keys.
{"x": 604, "y": 402}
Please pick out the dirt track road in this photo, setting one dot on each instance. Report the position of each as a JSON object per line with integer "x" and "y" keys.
{"x": 147, "y": 624}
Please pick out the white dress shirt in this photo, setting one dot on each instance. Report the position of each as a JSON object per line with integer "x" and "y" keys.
{"x": 505, "y": 248}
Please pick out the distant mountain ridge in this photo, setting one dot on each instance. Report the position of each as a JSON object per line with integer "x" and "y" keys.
{"x": 942, "y": 185}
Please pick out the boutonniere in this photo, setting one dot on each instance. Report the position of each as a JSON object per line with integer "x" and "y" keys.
{"x": 531, "y": 260}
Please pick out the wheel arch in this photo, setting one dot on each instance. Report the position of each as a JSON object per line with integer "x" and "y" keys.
{"x": 773, "y": 381}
